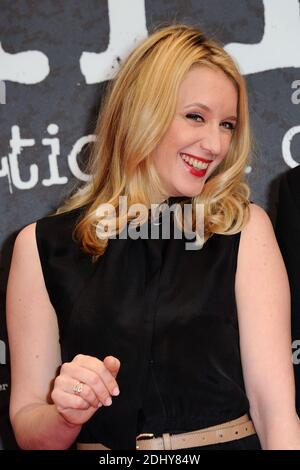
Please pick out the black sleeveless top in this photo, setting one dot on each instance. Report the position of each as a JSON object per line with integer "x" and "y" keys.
{"x": 168, "y": 314}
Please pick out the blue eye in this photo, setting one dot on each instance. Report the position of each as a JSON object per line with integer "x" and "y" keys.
{"x": 194, "y": 117}
{"x": 228, "y": 125}
{"x": 198, "y": 118}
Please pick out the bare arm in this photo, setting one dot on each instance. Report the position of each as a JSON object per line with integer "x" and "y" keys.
{"x": 45, "y": 413}
{"x": 35, "y": 352}
{"x": 263, "y": 301}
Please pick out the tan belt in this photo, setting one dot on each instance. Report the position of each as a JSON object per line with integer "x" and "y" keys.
{"x": 229, "y": 431}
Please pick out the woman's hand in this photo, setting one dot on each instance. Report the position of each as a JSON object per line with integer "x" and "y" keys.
{"x": 98, "y": 385}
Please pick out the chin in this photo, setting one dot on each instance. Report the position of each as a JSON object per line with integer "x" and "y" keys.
{"x": 191, "y": 192}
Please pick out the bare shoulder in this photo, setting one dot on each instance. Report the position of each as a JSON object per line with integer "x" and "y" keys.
{"x": 259, "y": 222}
{"x": 258, "y": 251}
{"x": 258, "y": 232}
{"x": 26, "y": 237}
{"x": 26, "y": 281}
{"x": 28, "y": 230}
{"x": 25, "y": 253}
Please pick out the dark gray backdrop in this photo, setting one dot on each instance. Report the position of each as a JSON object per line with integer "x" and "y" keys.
{"x": 49, "y": 79}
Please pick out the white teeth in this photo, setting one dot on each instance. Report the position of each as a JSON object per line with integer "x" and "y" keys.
{"x": 194, "y": 162}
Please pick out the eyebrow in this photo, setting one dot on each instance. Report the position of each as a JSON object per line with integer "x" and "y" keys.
{"x": 206, "y": 108}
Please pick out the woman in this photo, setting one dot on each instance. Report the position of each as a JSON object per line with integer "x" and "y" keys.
{"x": 126, "y": 343}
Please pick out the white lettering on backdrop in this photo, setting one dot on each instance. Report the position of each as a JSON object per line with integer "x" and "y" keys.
{"x": 2, "y": 92}
{"x": 279, "y": 45}
{"x": 2, "y": 352}
{"x": 9, "y": 166}
{"x": 127, "y": 24}
{"x": 26, "y": 67}
{"x": 286, "y": 146}
{"x": 127, "y": 21}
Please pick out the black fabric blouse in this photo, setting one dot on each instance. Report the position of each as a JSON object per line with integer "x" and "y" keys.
{"x": 169, "y": 315}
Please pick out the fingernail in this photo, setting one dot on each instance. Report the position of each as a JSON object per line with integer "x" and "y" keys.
{"x": 116, "y": 391}
{"x": 99, "y": 404}
{"x": 108, "y": 401}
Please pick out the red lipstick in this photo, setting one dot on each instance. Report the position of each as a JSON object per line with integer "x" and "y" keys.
{"x": 197, "y": 158}
{"x": 195, "y": 171}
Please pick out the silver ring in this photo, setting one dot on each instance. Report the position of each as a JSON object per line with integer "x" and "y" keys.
{"x": 78, "y": 387}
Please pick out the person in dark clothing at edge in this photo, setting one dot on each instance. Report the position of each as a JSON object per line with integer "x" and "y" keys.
{"x": 288, "y": 236}
{"x": 155, "y": 342}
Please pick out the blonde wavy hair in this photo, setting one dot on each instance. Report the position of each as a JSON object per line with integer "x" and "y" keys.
{"x": 136, "y": 112}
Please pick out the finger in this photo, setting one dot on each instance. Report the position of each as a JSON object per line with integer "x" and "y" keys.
{"x": 86, "y": 392}
{"x": 112, "y": 364}
{"x": 92, "y": 378}
{"x": 97, "y": 366}
{"x": 67, "y": 384}
{"x": 93, "y": 382}
{"x": 64, "y": 400}
{"x": 108, "y": 372}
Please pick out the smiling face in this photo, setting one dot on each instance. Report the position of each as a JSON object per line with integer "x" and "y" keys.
{"x": 200, "y": 133}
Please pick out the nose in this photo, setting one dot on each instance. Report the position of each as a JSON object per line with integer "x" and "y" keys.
{"x": 211, "y": 139}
